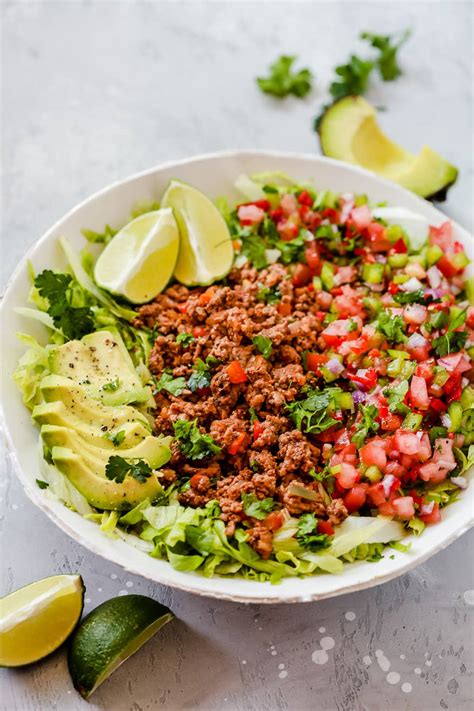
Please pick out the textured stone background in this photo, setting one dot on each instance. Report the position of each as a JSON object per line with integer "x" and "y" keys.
{"x": 94, "y": 91}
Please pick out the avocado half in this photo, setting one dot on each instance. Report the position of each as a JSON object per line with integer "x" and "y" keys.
{"x": 348, "y": 130}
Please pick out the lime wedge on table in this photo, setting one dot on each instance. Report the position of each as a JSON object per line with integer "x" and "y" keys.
{"x": 139, "y": 261}
{"x": 109, "y": 635}
{"x": 205, "y": 250}
{"x": 35, "y": 620}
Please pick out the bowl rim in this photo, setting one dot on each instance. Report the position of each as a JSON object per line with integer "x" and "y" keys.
{"x": 112, "y": 554}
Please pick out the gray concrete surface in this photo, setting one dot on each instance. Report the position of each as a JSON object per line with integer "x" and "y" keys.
{"x": 94, "y": 91}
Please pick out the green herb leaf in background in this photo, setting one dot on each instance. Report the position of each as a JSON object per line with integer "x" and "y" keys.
{"x": 283, "y": 81}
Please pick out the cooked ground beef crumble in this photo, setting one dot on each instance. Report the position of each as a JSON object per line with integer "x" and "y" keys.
{"x": 262, "y": 459}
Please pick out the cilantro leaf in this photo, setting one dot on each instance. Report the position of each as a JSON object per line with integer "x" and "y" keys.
{"x": 264, "y": 345}
{"x": 293, "y": 250}
{"x": 175, "y": 386}
{"x": 354, "y": 77}
{"x": 42, "y": 484}
{"x": 452, "y": 341}
{"x": 270, "y": 295}
{"x": 311, "y": 414}
{"x": 282, "y": 81}
{"x": 185, "y": 339}
{"x": 395, "y": 395}
{"x": 56, "y": 288}
{"x": 99, "y": 237}
{"x": 112, "y": 385}
{"x": 192, "y": 443}
{"x": 391, "y": 327}
{"x": 257, "y": 508}
{"x": 118, "y": 468}
{"x": 201, "y": 376}
{"x": 253, "y": 247}
{"x": 387, "y": 61}
{"x": 366, "y": 425}
{"x": 116, "y": 438}
{"x": 307, "y": 533}
{"x": 411, "y": 297}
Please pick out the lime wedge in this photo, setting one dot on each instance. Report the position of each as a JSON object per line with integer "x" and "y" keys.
{"x": 205, "y": 250}
{"x": 109, "y": 635}
{"x": 139, "y": 261}
{"x": 35, "y": 620}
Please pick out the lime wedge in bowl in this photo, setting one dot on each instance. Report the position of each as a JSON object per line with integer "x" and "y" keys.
{"x": 139, "y": 261}
{"x": 205, "y": 250}
{"x": 109, "y": 635}
{"x": 37, "y": 619}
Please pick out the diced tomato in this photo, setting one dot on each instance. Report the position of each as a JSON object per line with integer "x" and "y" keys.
{"x": 399, "y": 247}
{"x": 348, "y": 475}
{"x": 338, "y": 331}
{"x": 325, "y": 527}
{"x": 419, "y": 353}
{"x": 288, "y": 204}
{"x": 391, "y": 422}
{"x": 236, "y": 373}
{"x": 237, "y": 444}
{"x": 390, "y": 484}
{"x": 276, "y": 215}
{"x": 437, "y": 405}
{"x": 419, "y": 393}
{"x": 433, "y": 517}
{"x": 406, "y": 442}
{"x": 199, "y": 481}
{"x": 312, "y": 257}
{"x": 287, "y": 230}
{"x": 376, "y": 494}
{"x": 284, "y": 309}
{"x": 387, "y": 509}
{"x": 206, "y": 296}
{"x": 314, "y": 361}
{"x": 377, "y": 237}
{"x": 257, "y": 429}
{"x": 329, "y": 213}
{"x": 304, "y": 198}
{"x": 442, "y": 236}
{"x": 404, "y": 507}
{"x": 199, "y": 331}
{"x": 183, "y": 307}
{"x": 373, "y": 454}
{"x": 446, "y": 267}
{"x": 396, "y": 469}
{"x": 250, "y": 214}
{"x": 361, "y": 217}
{"x": 274, "y": 521}
{"x": 302, "y": 275}
{"x": 367, "y": 381}
{"x": 355, "y": 498}
{"x": 425, "y": 370}
{"x": 393, "y": 288}
{"x": 452, "y": 387}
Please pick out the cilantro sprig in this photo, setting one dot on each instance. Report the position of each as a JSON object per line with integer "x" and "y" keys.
{"x": 201, "y": 375}
{"x": 192, "y": 443}
{"x": 174, "y": 386}
{"x": 367, "y": 424}
{"x": 117, "y": 468}
{"x": 264, "y": 345}
{"x": 452, "y": 341}
{"x": 307, "y": 533}
{"x": 282, "y": 80}
{"x": 56, "y": 287}
{"x": 353, "y": 78}
{"x": 388, "y": 46}
{"x": 312, "y": 414}
{"x": 257, "y": 508}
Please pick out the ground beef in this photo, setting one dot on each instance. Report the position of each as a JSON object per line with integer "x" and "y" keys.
{"x": 261, "y": 452}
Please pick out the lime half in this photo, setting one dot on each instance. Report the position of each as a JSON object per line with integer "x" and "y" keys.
{"x": 205, "y": 250}
{"x": 139, "y": 261}
{"x": 109, "y": 635}
{"x": 35, "y": 620}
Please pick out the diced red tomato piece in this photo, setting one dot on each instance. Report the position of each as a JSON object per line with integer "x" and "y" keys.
{"x": 391, "y": 422}
{"x": 355, "y": 498}
{"x": 437, "y": 405}
{"x": 387, "y": 509}
{"x": 348, "y": 475}
{"x": 257, "y": 429}
{"x": 236, "y": 373}
{"x": 274, "y": 521}
{"x": 361, "y": 217}
{"x": 199, "y": 331}
{"x": 367, "y": 381}
{"x": 325, "y": 527}
{"x": 199, "y": 480}
{"x": 425, "y": 370}
{"x": 238, "y": 443}
{"x": 304, "y": 198}
{"x": 288, "y": 230}
{"x": 404, "y": 507}
{"x": 284, "y": 309}
{"x": 433, "y": 517}
{"x": 442, "y": 236}
{"x": 419, "y": 393}
{"x": 338, "y": 331}
{"x": 314, "y": 361}
{"x": 399, "y": 247}
{"x": 302, "y": 275}
{"x": 376, "y": 494}
{"x": 406, "y": 442}
{"x": 250, "y": 214}
{"x": 446, "y": 267}
{"x": 419, "y": 353}
{"x": 377, "y": 237}
{"x": 183, "y": 307}
{"x": 276, "y": 215}
{"x": 373, "y": 454}
{"x": 312, "y": 257}
{"x": 331, "y": 214}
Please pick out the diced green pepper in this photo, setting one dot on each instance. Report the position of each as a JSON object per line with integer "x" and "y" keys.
{"x": 455, "y": 415}
{"x": 460, "y": 260}
{"x": 440, "y": 376}
{"x": 398, "y": 260}
{"x": 394, "y": 368}
{"x": 418, "y": 259}
{"x": 345, "y": 401}
{"x": 373, "y": 273}
{"x": 469, "y": 288}
{"x": 467, "y": 397}
{"x": 317, "y": 283}
{"x": 400, "y": 278}
{"x": 373, "y": 474}
{"x": 437, "y": 432}
{"x": 433, "y": 253}
{"x": 335, "y": 469}
{"x": 327, "y": 375}
{"x": 327, "y": 276}
{"x": 372, "y": 305}
{"x": 412, "y": 421}
{"x": 398, "y": 354}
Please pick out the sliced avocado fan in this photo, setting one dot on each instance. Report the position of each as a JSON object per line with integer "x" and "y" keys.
{"x": 348, "y": 131}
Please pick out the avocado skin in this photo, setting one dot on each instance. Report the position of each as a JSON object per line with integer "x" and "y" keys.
{"x": 435, "y": 195}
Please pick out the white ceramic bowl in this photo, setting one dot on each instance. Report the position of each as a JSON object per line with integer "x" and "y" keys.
{"x": 214, "y": 174}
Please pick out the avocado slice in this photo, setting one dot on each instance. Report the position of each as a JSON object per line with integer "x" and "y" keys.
{"x": 99, "y": 491}
{"x": 348, "y": 131}
{"x": 101, "y": 363}
{"x": 154, "y": 450}
{"x": 76, "y": 399}
{"x": 98, "y": 434}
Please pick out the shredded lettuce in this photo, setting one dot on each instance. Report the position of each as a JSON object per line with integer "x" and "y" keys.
{"x": 32, "y": 367}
